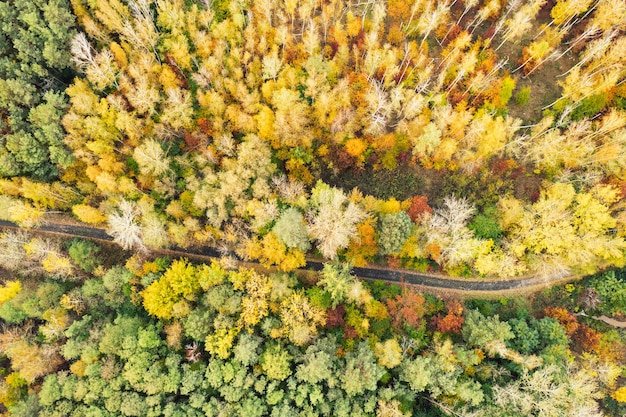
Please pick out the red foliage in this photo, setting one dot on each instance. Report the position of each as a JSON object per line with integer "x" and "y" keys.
{"x": 349, "y": 332}
{"x": 565, "y": 318}
{"x": 502, "y": 166}
{"x": 334, "y": 317}
{"x": 342, "y": 159}
{"x": 403, "y": 157}
{"x": 454, "y": 32}
{"x": 490, "y": 32}
{"x": 204, "y": 126}
{"x": 419, "y": 207}
{"x": 407, "y": 308}
{"x": 191, "y": 141}
{"x": 455, "y": 97}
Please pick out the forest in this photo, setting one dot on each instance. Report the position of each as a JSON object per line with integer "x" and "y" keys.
{"x": 471, "y": 139}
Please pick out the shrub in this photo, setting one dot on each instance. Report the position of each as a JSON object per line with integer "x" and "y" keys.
{"x": 522, "y": 96}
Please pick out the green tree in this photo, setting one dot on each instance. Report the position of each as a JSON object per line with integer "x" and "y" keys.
{"x": 84, "y": 253}
{"x": 395, "y": 229}
{"x": 34, "y": 69}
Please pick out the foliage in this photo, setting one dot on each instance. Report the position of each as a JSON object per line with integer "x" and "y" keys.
{"x": 84, "y": 253}
{"x": 218, "y": 339}
{"x": 34, "y": 68}
{"x": 394, "y": 231}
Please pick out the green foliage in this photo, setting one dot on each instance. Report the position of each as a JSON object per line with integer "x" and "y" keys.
{"x": 611, "y": 287}
{"x": 276, "y": 362}
{"x": 123, "y": 361}
{"x": 361, "y": 372}
{"x": 506, "y": 91}
{"x": 291, "y": 229}
{"x": 478, "y": 330}
{"x": 84, "y": 253}
{"x": 34, "y": 66}
{"x": 394, "y": 231}
{"x": 522, "y": 96}
{"x": 336, "y": 280}
{"x": 590, "y": 106}
{"x": 526, "y": 337}
{"x": 485, "y": 225}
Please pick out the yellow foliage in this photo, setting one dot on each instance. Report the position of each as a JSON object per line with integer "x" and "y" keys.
{"x": 9, "y": 290}
{"x": 620, "y": 395}
{"x": 168, "y": 78}
{"x": 355, "y": 147}
{"x": 210, "y": 276}
{"x": 388, "y": 354}
{"x": 220, "y": 343}
{"x": 119, "y": 55}
{"x": 57, "y": 264}
{"x": 376, "y": 310}
{"x": 265, "y": 123}
{"x": 300, "y": 320}
{"x": 78, "y": 368}
{"x": 363, "y": 248}
{"x": 270, "y": 251}
{"x": 58, "y": 320}
{"x": 159, "y": 299}
{"x": 31, "y": 361}
{"x": 88, "y": 214}
{"x": 10, "y": 187}
{"x": 11, "y": 389}
{"x": 167, "y": 297}
{"x": 390, "y": 206}
{"x": 255, "y": 304}
{"x": 24, "y": 214}
{"x": 353, "y": 24}
{"x": 182, "y": 278}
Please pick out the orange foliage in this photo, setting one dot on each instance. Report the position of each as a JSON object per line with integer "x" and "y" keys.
{"x": 395, "y": 35}
{"x": 355, "y": 147}
{"x": 587, "y": 338}
{"x": 359, "y": 86}
{"x": 419, "y": 207}
{"x": 363, "y": 248}
{"x": 564, "y": 317}
{"x": 451, "y": 322}
{"x": 407, "y": 309}
{"x": 433, "y": 251}
{"x": 399, "y": 9}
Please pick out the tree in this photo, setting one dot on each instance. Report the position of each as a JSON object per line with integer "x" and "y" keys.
{"x": 406, "y": 309}
{"x": 34, "y": 69}
{"x": 300, "y": 320}
{"x": 336, "y": 280}
{"x": 394, "y": 231}
{"x": 291, "y": 229}
{"x": 361, "y": 372}
{"x": 167, "y": 297}
{"x": 124, "y": 226}
{"x": 332, "y": 219}
{"x": 276, "y": 362}
{"x": 481, "y": 331}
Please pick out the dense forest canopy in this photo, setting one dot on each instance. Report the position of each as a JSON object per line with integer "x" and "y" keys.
{"x": 213, "y": 123}
{"x": 482, "y": 139}
{"x": 87, "y": 334}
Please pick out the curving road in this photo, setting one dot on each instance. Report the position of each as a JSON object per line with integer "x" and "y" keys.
{"x": 432, "y": 281}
